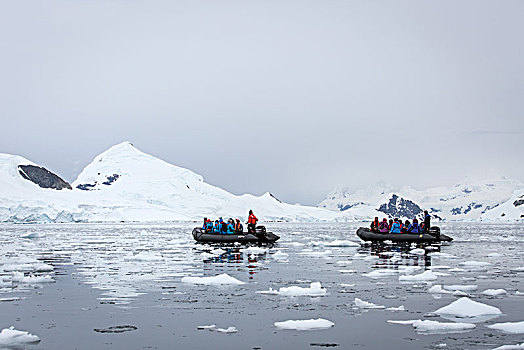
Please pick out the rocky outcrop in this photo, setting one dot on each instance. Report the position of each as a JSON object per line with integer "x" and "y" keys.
{"x": 400, "y": 208}
{"x": 43, "y": 177}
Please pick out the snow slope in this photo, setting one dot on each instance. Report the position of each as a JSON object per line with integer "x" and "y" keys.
{"x": 463, "y": 202}
{"x": 125, "y": 184}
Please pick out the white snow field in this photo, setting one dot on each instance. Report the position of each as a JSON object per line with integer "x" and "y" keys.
{"x": 125, "y": 184}
{"x": 305, "y": 325}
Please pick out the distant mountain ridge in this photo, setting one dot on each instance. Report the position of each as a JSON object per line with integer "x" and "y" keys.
{"x": 125, "y": 184}
{"x": 462, "y": 202}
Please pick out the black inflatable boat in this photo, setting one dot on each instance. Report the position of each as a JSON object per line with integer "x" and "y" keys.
{"x": 261, "y": 236}
{"x": 433, "y": 236}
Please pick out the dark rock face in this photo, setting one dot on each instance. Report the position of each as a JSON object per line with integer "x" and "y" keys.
{"x": 518, "y": 202}
{"x": 110, "y": 179}
{"x": 400, "y": 207}
{"x": 42, "y": 177}
{"x": 462, "y": 210}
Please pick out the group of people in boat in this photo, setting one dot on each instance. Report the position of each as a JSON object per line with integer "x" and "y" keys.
{"x": 397, "y": 226}
{"x": 232, "y": 226}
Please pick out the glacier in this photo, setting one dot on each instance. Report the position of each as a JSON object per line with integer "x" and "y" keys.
{"x": 124, "y": 184}
{"x": 497, "y": 200}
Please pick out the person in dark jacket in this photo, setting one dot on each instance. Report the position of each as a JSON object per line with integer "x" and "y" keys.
{"x": 374, "y": 225}
{"x": 414, "y": 227}
{"x": 205, "y": 223}
{"x": 427, "y": 221}
{"x": 238, "y": 227}
{"x": 406, "y": 226}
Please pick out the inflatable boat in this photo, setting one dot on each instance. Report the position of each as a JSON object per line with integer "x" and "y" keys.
{"x": 261, "y": 236}
{"x": 433, "y": 236}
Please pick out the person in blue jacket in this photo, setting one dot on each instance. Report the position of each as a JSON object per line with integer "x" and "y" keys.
{"x": 395, "y": 228}
{"x": 230, "y": 226}
{"x": 217, "y": 227}
{"x": 414, "y": 227}
{"x": 209, "y": 225}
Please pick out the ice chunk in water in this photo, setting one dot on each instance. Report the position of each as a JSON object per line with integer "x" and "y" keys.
{"x": 461, "y": 287}
{"x": 425, "y": 276}
{"x": 465, "y": 307}
{"x": 10, "y": 337}
{"x": 510, "y": 347}
{"x": 315, "y": 289}
{"x": 435, "y": 327}
{"x": 509, "y": 327}
{"x": 494, "y": 292}
{"x": 367, "y": 305}
{"x": 214, "y": 280}
{"x": 305, "y": 325}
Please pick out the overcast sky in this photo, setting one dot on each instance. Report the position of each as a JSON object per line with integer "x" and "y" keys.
{"x": 292, "y": 97}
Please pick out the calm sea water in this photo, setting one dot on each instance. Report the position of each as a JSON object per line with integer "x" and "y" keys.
{"x": 130, "y": 275}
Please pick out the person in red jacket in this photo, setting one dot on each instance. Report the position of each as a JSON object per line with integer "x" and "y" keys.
{"x": 251, "y": 222}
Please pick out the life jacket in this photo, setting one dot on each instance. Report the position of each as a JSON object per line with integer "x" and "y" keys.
{"x": 238, "y": 227}
{"x": 216, "y": 227}
{"x": 230, "y": 228}
{"x": 252, "y": 219}
{"x": 209, "y": 226}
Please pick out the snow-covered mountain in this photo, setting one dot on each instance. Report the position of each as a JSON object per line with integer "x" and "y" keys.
{"x": 125, "y": 184}
{"x": 491, "y": 200}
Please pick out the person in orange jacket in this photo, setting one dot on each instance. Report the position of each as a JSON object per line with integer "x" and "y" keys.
{"x": 251, "y": 222}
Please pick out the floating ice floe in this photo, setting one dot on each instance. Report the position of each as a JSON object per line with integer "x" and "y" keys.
{"x": 383, "y": 273}
{"x": 519, "y": 293}
{"x": 229, "y": 329}
{"x": 437, "y": 289}
{"x": 494, "y": 292}
{"x": 427, "y": 275}
{"x": 347, "y": 271}
{"x": 456, "y": 269}
{"x": 280, "y": 255}
{"x": 417, "y": 251}
{"x": 341, "y": 243}
{"x": 325, "y": 253}
{"x": 398, "y": 308}
{"x": 305, "y": 325}
{"x": 254, "y": 250}
{"x": 461, "y": 287}
{"x": 509, "y": 327}
{"x": 510, "y": 347}
{"x": 518, "y": 269}
{"x": 459, "y": 293}
{"x": 145, "y": 256}
{"x": 475, "y": 265}
{"x": 20, "y": 278}
{"x": 465, "y": 307}
{"x": 435, "y": 327}
{"x": 222, "y": 279}
{"x": 315, "y": 289}
{"x": 32, "y": 235}
{"x": 207, "y": 327}
{"x": 367, "y": 305}
{"x": 10, "y": 337}
{"x": 494, "y": 255}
